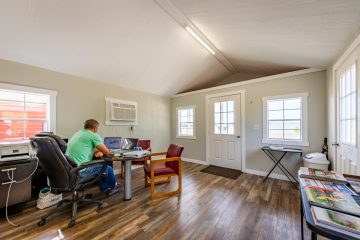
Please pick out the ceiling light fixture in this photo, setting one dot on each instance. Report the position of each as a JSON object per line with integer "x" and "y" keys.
{"x": 191, "y": 31}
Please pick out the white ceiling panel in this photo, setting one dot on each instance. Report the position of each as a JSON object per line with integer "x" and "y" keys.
{"x": 131, "y": 43}
{"x": 269, "y": 37}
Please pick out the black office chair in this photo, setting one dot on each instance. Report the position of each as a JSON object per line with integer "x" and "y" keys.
{"x": 64, "y": 177}
{"x": 62, "y": 144}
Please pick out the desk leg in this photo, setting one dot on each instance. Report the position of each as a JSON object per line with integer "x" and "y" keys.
{"x": 313, "y": 236}
{"x": 127, "y": 181}
{"x": 277, "y": 161}
{"x": 302, "y": 218}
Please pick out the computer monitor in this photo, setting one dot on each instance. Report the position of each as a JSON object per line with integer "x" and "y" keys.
{"x": 112, "y": 142}
{"x": 129, "y": 143}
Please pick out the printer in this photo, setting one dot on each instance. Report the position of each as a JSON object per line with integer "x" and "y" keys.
{"x": 15, "y": 151}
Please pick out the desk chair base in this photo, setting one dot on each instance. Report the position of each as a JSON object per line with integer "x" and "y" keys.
{"x": 75, "y": 201}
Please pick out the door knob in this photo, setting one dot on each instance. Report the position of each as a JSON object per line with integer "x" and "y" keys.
{"x": 335, "y": 144}
{"x": 237, "y": 136}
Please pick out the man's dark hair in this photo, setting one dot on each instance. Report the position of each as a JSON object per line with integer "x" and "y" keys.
{"x": 91, "y": 124}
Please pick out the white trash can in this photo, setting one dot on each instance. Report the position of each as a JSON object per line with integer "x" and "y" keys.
{"x": 316, "y": 160}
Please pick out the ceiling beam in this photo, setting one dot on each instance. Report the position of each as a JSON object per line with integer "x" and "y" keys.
{"x": 184, "y": 22}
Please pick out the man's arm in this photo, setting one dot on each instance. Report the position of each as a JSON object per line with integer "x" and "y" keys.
{"x": 101, "y": 149}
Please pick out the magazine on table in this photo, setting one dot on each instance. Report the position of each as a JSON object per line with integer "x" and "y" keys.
{"x": 318, "y": 174}
{"x": 336, "y": 221}
{"x": 336, "y": 186}
{"x": 332, "y": 200}
{"x": 355, "y": 185}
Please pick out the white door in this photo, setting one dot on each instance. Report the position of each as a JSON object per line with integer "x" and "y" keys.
{"x": 224, "y": 131}
{"x": 347, "y": 118}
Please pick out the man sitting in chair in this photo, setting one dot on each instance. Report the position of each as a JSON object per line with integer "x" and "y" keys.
{"x": 81, "y": 148}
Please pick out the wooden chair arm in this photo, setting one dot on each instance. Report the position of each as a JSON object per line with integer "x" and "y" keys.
{"x": 162, "y": 160}
{"x": 158, "y": 154}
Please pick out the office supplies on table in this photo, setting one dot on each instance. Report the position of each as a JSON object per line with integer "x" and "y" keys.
{"x": 136, "y": 154}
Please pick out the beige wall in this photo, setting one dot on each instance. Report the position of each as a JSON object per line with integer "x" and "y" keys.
{"x": 79, "y": 99}
{"x": 313, "y": 83}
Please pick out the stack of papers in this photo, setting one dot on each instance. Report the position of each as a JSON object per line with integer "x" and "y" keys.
{"x": 137, "y": 154}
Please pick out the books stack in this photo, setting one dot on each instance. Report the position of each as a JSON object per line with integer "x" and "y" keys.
{"x": 332, "y": 203}
{"x": 321, "y": 175}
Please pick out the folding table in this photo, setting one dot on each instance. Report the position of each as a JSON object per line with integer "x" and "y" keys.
{"x": 277, "y": 160}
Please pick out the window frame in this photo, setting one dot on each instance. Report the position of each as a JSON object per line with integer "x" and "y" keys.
{"x": 52, "y": 94}
{"x": 304, "y": 141}
{"x": 178, "y": 122}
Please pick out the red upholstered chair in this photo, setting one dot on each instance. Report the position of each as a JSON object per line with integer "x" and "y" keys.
{"x": 145, "y": 145}
{"x": 164, "y": 167}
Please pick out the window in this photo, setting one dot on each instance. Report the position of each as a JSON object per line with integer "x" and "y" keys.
{"x": 347, "y": 102}
{"x": 25, "y": 112}
{"x": 285, "y": 120}
{"x": 224, "y": 117}
{"x": 186, "y": 122}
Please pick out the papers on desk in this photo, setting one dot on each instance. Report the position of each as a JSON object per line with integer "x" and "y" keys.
{"x": 276, "y": 148}
{"x": 336, "y": 221}
{"x": 136, "y": 154}
{"x": 333, "y": 200}
{"x": 318, "y": 174}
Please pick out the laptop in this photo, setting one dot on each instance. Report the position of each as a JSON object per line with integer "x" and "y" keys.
{"x": 129, "y": 143}
{"x": 113, "y": 144}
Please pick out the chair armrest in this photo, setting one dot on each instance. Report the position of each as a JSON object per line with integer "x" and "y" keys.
{"x": 162, "y": 160}
{"x": 158, "y": 154}
{"x": 89, "y": 164}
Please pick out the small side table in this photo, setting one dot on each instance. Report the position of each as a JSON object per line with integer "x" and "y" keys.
{"x": 277, "y": 160}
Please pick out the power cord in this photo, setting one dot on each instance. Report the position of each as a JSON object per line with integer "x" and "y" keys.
{"x": 12, "y": 181}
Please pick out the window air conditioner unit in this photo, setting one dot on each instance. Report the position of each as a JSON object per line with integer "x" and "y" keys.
{"x": 121, "y": 112}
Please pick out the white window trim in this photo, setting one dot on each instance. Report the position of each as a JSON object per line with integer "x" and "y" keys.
{"x": 51, "y": 93}
{"x": 304, "y": 121}
{"x": 177, "y": 122}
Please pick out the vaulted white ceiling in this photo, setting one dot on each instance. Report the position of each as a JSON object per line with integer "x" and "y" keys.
{"x": 132, "y": 43}
{"x": 262, "y": 36}
{"x": 136, "y": 44}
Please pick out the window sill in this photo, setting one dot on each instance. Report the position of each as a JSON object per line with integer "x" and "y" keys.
{"x": 186, "y": 137}
{"x": 287, "y": 142}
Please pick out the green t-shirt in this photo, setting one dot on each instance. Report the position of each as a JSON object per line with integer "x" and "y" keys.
{"x": 82, "y": 145}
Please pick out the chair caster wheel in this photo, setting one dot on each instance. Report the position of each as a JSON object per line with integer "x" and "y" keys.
{"x": 100, "y": 206}
{"x": 41, "y": 222}
{"x": 88, "y": 196}
{"x": 71, "y": 223}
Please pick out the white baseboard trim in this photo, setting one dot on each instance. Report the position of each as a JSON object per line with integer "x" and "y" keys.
{"x": 194, "y": 161}
{"x": 261, "y": 173}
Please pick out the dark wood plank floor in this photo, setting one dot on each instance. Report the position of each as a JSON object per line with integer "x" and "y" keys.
{"x": 210, "y": 207}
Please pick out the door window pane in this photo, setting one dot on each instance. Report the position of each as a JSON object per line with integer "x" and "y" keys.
{"x": 224, "y": 118}
{"x": 348, "y": 106}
